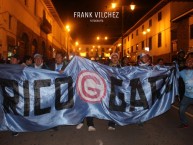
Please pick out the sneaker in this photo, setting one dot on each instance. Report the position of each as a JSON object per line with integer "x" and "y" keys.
{"x": 183, "y": 126}
{"x": 91, "y": 128}
{"x": 15, "y": 133}
{"x": 111, "y": 128}
{"x": 79, "y": 126}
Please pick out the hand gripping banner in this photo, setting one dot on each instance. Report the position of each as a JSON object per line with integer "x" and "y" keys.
{"x": 36, "y": 99}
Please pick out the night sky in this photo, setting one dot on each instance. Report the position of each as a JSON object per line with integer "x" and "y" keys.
{"x": 85, "y": 31}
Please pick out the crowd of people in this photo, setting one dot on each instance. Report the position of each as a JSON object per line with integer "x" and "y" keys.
{"x": 184, "y": 61}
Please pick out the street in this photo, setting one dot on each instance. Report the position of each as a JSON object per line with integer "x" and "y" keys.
{"x": 161, "y": 130}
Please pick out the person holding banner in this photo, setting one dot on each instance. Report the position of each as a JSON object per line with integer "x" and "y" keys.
{"x": 38, "y": 62}
{"x": 187, "y": 76}
{"x": 90, "y": 124}
{"x": 59, "y": 65}
{"x": 144, "y": 59}
{"x": 14, "y": 59}
{"x": 125, "y": 61}
{"x": 27, "y": 60}
{"x": 114, "y": 63}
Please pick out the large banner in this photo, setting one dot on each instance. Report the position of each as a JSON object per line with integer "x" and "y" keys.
{"x": 36, "y": 99}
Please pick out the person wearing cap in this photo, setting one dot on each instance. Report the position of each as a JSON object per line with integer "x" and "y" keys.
{"x": 38, "y": 62}
{"x": 114, "y": 62}
{"x": 144, "y": 59}
{"x": 14, "y": 59}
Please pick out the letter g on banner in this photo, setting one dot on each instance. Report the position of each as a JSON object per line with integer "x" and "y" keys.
{"x": 91, "y": 87}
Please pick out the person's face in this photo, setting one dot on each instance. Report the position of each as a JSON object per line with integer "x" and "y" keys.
{"x": 14, "y": 60}
{"x": 189, "y": 63}
{"x": 114, "y": 59}
{"x": 29, "y": 61}
{"x": 38, "y": 61}
{"x": 59, "y": 59}
{"x": 126, "y": 60}
{"x": 182, "y": 54}
{"x": 145, "y": 59}
{"x": 161, "y": 62}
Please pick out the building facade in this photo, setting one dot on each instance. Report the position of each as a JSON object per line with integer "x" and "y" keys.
{"x": 164, "y": 30}
{"x": 93, "y": 51}
{"x": 31, "y": 26}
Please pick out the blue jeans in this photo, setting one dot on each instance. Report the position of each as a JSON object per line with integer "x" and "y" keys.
{"x": 186, "y": 101}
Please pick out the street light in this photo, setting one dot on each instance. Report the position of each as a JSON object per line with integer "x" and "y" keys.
{"x": 98, "y": 38}
{"x": 145, "y": 33}
{"x": 76, "y": 43}
{"x": 132, "y": 7}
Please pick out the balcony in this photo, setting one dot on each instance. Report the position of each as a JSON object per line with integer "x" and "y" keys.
{"x": 45, "y": 26}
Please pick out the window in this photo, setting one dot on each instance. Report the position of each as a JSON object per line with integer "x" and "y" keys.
{"x": 150, "y": 22}
{"x": 159, "y": 16}
{"x": 142, "y": 28}
{"x": 131, "y": 48}
{"x": 128, "y": 38}
{"x": 142, "y": 45}
{"x": 137, "y": 47}
{"x": 174, "y": 34}
{"x": 150, "y": 43}
{"x": 159, "y": 40}
{"x": 132, "y": 36}
{"x": 10, "y": 19}
{"x": 191, "y": 31}
{"x": 137, "y": 32}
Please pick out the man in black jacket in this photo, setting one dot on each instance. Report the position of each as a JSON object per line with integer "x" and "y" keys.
{"x": 59, "y": 65}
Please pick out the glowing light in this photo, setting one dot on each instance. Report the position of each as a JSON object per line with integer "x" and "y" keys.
{"x": 113, "y": 5}
{"x": 83, "y": 54}
{"x": 76, "y": 43}
{"x": 68, "y": 28}
{"x": 146, "y": 48}
{"x": 132, "y": 6}
{"x": 119, "y": 44}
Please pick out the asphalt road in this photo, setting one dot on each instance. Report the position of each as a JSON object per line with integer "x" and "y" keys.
{"x": 161, "y": 130}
